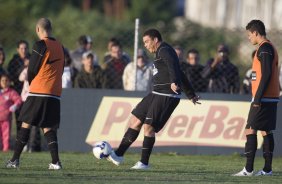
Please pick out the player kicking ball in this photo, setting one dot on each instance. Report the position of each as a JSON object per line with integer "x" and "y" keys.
{"x": 155, "y": 109}
{"x": 265, "y": 96}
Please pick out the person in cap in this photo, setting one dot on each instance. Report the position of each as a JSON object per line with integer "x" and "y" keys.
{"x": 85, "y": 44}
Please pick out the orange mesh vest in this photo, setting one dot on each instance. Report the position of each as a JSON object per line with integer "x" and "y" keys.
{"x": 272, "y": 90}
{"x": 49, "y": 78}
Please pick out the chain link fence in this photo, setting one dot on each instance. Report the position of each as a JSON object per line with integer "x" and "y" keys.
{"x": 228, "y": 77}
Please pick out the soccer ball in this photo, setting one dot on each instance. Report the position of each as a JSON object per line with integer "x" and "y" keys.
{"x": 102, "y": 149}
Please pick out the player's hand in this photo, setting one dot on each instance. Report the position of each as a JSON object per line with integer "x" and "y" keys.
{"x": 174, "y": 88}
{"x": 195, "y": 100}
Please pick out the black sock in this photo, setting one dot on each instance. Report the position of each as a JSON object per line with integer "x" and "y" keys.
{"x": 51, "y": 137}
{"x": 21, "y": 141}
{"x": 250, "y": 151}
{"x": 268, "y": 147}
{"x": 129, "y": 137}
{"x": 147, "y": 148}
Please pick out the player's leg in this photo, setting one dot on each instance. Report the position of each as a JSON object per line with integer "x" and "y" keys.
{"x": 267, "y": 148}
{"x": 148, "y": 144}
{"x": 52, "y": 142}
{"x": 129, "y": 137}
{"x": 21, "y": 141}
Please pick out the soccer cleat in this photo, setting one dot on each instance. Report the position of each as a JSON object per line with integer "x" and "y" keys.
{"x": 14, "y": 164}
{"x": 140, "y": 166}
{"x": 56, "y": 166}
{"x": 115, "y": 159}
{"x": 244, "y": 172}
{"x": 263, "y": 173}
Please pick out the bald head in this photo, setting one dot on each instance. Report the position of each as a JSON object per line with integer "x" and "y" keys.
{"x": 44, "y": 24}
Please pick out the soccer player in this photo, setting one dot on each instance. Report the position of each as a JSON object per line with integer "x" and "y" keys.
{"x": 155, "y": 109}
{"x": 265, "y": 96}
{"x": 42, "y": 106}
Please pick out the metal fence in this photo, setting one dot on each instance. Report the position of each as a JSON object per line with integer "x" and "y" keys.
{"x": 225, "y": 78}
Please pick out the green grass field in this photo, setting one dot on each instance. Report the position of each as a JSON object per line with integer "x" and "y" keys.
{"x": 166, "y": 168}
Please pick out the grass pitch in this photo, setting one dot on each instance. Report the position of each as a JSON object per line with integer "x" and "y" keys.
{"x": 165, "y": 168}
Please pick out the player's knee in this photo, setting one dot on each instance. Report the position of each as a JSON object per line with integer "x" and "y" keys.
{"x": 149, "y": 130}
{"x": 250, "y": 131}
{"x": 135, "y": 123}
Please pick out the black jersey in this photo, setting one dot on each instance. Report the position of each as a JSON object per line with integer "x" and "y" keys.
{"x": 166, "y": 70}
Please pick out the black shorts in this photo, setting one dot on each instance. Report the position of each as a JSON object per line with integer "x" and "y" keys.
{"x": 263, "y": 117}
{"x": 155, "y": 110}
{"x": 42, "y": 112}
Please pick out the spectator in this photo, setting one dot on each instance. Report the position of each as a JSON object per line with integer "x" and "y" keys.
{"x": 223, "y": 76}
{"x": 247, "y": 82}
{"x": 192, "y": 69}
{"x": 9, "y": 102}
{"x": 34, "y": 143}
{"x": 114, "y": 68}
{"x": 2, "y": 60}
{"x": 179, "y": 51}
{"x": 141, "y": 80}
{"x": 90, "y": 76}
{"x": 16, "y": 65}
{"x": 114, "y": 41}
{"x": 69, "y": 73}
{"x": 85, "y": 45}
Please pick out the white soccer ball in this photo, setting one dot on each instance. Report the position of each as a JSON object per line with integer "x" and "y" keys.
{"x": 102, "y": 149}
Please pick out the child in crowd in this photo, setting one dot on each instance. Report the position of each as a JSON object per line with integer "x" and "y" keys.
{"x": 10, "y": 100}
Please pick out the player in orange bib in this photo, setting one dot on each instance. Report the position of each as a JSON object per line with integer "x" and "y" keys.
{"x": 42, "y": 106}
{"x": 265, "y": 96}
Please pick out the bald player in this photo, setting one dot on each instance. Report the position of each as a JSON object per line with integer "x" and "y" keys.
{"x": 42, "y": 106}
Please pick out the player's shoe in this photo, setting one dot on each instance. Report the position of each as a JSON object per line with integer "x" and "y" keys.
{"x": 14, "y": 164}
{"x": 140, "y": 166}
{"x": 115, "y": 159}
{"x": 244, "y": 172}
{"x": 56, "y": 166}
{"x": 263, "y": 173}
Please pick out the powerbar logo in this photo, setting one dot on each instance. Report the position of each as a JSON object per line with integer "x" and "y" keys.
{"x": 213, "y": 123}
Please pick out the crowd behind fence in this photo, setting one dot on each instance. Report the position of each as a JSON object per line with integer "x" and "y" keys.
{"x": 110, "y": 66}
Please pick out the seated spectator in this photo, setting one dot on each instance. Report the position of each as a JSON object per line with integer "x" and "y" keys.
{"x": 114, "y": 41}
{"x": 90, "y": 76}
{"x": 70, "y": 72}
{"x": 222, "y": 75}
{"x": 192, "y": 69}
{"x": 2, "y": 60}
{"x": 247, "y": 82}
{"x": 85, "y": 44}
{"x": 114, "y": 68}
{"x": 141, "y": 80}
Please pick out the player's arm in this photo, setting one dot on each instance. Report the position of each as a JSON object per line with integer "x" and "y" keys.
{"x": 36, "y": 58}
{"x": 265, "y": 55}
{"x": 187, "y": 88}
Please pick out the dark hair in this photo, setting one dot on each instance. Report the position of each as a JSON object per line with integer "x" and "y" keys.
{"x": 192, "y": 51}
{"x": 3, "y": 52}
{"x": 22, "y": 42}
{"x": 256, "y": 25}
{"x": 84, "y": 39}
{"x": 153, "y": 33}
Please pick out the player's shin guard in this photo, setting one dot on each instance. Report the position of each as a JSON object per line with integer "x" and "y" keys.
{"x": 268, "y": 147}
{"x": 250, "y": 151}
{"x": 147, "y": 148}
{"x": 21, "y": 141}
{"x": 52, "y": 141}
{"x": 129, "y": 137}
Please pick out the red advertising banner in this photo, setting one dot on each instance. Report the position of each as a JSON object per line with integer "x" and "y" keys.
{"x": 213, "y": 123}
